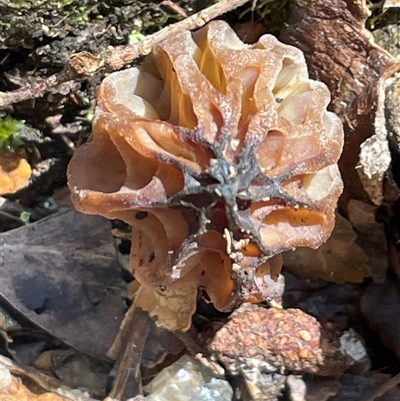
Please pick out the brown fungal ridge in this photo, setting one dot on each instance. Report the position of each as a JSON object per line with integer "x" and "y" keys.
{"x": 234, "y": 184}
{"x": 210, "y": 149}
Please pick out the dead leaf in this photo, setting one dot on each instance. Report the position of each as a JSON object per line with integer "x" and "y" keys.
{"x": 15, "y": 172}
{"x": 16, "y": 390}
{"x": 172, "y": 307}
{"x": 13, "y": 378}
{"x": 339, "y": 259}
{"x": 61, "y": 274}
{"x": 380, "y": 307}
{"x": 371, "y": 236}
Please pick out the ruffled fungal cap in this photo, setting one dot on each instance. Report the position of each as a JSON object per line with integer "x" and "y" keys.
{"x": 219, "y": 154}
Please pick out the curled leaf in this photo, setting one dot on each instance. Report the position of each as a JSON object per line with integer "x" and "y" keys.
{"x": 172, "y": 307}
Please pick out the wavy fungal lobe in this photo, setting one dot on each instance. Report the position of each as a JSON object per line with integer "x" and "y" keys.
{"x": 219, "y": 154}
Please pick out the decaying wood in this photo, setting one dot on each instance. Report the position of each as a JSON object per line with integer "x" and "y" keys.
{"x": 341, "y": 53}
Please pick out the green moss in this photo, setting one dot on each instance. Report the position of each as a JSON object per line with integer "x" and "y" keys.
{"x": 159, "y": 20}
{"x": 135, "y": 36}
{"x": 60, "y": 8}
{"x": 379, "y": 17}
{"x": 10, "y": 133}
{"x": 375, "y": 7}
{"x": 25, "y": 20}
{"x": 25, "y": 23}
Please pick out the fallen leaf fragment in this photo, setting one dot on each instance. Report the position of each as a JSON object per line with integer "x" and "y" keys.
{"x": 12, "y": 389}
{"x": 12, "y": 385}
{"x": 62, "y": 275}
{"x": 15, "y": 172}
{"x": 380, "y": 307}
{"x": 340, "y": 259}
{"x": 172, "y": 307}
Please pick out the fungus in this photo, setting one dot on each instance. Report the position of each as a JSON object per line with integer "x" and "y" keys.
{"x": 220, "y": 155}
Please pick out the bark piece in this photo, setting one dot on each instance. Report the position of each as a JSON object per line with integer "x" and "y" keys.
{"x": 379, "y": 305}
{"x": 341, "y": 53}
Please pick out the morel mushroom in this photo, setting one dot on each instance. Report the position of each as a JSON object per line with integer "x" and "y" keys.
{"x": 219, "y": 154}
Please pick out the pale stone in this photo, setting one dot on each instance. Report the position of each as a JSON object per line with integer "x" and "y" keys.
{"x": 188, "y": 380}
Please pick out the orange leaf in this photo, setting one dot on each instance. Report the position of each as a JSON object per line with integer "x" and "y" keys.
{"x": 15, "y": 172}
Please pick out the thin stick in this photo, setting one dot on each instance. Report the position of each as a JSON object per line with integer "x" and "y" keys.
{"x": 36, "y": 89}
{"x": 386, "y": 387}
{"x": 179, "y": 10}
{"x": 122, "y": 55}
{"x": 128, "y": 381}
{"x": 84, "y": 64}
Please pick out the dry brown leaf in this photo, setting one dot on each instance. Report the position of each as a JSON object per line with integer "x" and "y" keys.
{"x": 61, "y": 274}
{"x": 14, "y": 380}
{"x": 15, "y": 172}
{"x": 380, "y": 307}
{"x": 14, "y": 390}
{"x": 172, "y": 307}
{"x": 340, "y": 259}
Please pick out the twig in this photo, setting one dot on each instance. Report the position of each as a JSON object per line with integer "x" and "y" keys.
{"x": 189, "y": 340}
{"x": 132, "y": 340}
{"x": 33, "y": 91}
{"x": 386, "y": 387}
{"x": 84, "y": 64}
{"x": 179, "y": 10}
{"x": 122, "y": 55}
